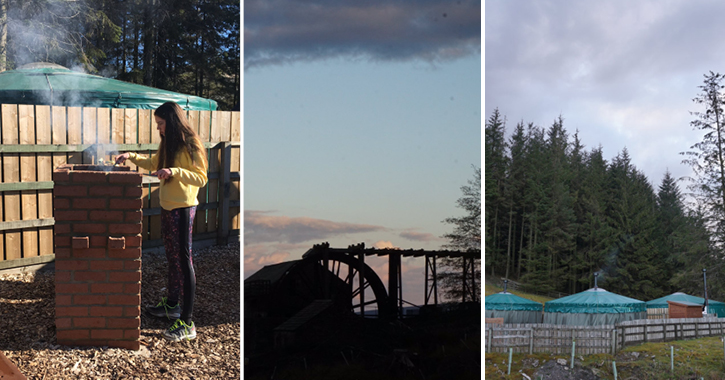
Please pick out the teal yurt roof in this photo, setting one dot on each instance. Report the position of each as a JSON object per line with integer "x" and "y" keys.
{"x": 595, "y": 301}
{"x": 50, "y": 84}
{"x": 508, "y": 301}
{"x": 714, "y": 307}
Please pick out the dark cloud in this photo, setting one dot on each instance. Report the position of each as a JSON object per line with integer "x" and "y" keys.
{"x": 260, "y": 227}
{"x": 282, "y": 31}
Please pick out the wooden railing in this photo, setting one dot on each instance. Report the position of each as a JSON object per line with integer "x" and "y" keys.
{"x": 607, "y": 339}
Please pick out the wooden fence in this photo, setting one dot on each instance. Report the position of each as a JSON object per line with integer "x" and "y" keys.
{"x": 607, "y": 339}
{"x": 36, "y": 139}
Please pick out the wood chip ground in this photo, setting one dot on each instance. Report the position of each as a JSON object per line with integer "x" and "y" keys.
{"x": 27, "y": 327}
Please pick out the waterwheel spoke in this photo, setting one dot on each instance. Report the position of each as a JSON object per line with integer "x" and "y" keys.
{"x": 357, "y": 305}
{"x": 357, "y": 291}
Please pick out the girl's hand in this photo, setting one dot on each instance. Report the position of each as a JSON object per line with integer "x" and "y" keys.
{"x": 121, "y": 158}
{"x": 163, "y": 173}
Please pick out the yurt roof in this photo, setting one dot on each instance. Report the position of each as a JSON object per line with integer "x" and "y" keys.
{"x": 509, "y": 301}
{"x": 50, "y": 84}
{"x": 595, "y": 300}
{"x": 661, "y": 303}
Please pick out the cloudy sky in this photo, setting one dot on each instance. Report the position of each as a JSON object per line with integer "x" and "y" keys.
{"x": 362, "y": 120}
{"x": 623, "y": 73}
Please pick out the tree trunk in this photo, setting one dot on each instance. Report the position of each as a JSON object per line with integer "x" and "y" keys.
{"x": 149, "y": 43}
{"x": 521, "y": 247}
{"x": 508, "y": 248}
{"x": 3, "y": 34}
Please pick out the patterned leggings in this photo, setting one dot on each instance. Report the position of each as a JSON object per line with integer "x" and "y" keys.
{"x": 176, "y": 226}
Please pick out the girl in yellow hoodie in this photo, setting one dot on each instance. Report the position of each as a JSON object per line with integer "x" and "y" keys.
{"x": 181, "y": 165}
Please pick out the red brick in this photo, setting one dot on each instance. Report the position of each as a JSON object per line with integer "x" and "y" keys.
{"x": 107, "y": 191}
{"x": 128, "y": 253}
{"x": 132, "y": 288}
{"x": 132, "y": 178}
{"x": 127, "y": 228}
{"x": 90, "y": 228}
{"x": 71, "y": 335}
{"x": 91, "y": 322}
{"x": 61, "y": 203}
{"x": 71, "y": 264}
{"x": 61, "y": 229}
{"x": 71, "y": 311}
{"x": 132, "y": 265}
{"x": 106, "y": 216}
{"x": 79, "y": 242}
{"x": 124, "y": 277}
{"x": 62, "y": 241}
{"x": 62, "y": 253}
{"x": 61, "y": 176}
{"x": 88, "y": 177}
{"x": 116, "y": 242}
{"x": 90, "y": 203}
{"x": 126, "y": 203}
{"x": 124, "y": 323}
{"x": 62, "y": 275}
{"x": 89, "y": 276}
{"x": 124, "y": 299}
{"x": 107, "y": 265}
{"x": 70, "y": 191}
{"x": 63, "y": 300}
{"x": 132, "y": 311}
{"x": 107, "y": 288}
{"x": 133, "y": 241}
{"x": 106, "y": 311}
{"x": 71, "y": 215}
{"x": 93, "y": 253}
{"x": 107, "y": 334}
{"x": 134, "y": 216}
{"x": 134, "y": 192}
{"x": 98, "y": 241}
{"x": 63, "y": 323}
{"x": 132, "y": 334}
{"x": 85, "y": 299}
{"x": 70, "y": 288}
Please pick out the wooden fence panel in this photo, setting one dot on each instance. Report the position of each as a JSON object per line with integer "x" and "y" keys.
{"x": 45, "y": 174}
{"x": 28, "y": 170}
{"x": 11, "y": 174}
{"x": 36, "y": 139}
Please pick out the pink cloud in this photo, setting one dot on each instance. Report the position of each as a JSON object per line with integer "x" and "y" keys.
{"x": 257, "y": 256}
{"x": 260, "y": 227}
{"x": 418, "y": 236}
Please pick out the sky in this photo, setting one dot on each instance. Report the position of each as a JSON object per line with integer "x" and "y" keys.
{"x": 622, "y": 73}
{"x": 362, "y": 121}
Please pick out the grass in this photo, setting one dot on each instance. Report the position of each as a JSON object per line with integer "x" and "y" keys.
{"x": 693, "y": 359}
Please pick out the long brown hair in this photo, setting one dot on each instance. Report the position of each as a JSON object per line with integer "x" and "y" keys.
{"x": 178, "y": 135}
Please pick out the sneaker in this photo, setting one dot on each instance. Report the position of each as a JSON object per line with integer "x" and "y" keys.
{"x": 180, "y": 330}
{"x": 163, "y": 309}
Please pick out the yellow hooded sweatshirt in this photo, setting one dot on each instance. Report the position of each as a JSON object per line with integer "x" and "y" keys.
{"x": 181, "y": 189}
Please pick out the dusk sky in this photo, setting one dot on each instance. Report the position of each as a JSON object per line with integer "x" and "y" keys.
{"x": 362, "y": 120}
{"x": 622, "y": 73}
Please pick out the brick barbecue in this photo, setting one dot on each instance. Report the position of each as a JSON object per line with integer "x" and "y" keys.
{"x": 98, "y": 214}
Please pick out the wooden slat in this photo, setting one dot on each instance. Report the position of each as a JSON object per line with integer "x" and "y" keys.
{"x": 28, "y": 173}
{"x": 226, "y": 126}
{"x": 216, "y": 127}
{"x": 89, "y": 132}
{"x": 75, "y": 133}
{"x": 213, "y": 189}
{"x": 236, "y": 127}
{"x": 11, "y": 173}
{"x": 45, "y": 174}
{"x": 204, "y": 125}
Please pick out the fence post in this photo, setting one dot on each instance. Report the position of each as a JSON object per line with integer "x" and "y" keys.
{"x": 645, "y": 331}
{"x": 490, "y": 338}
{"x": 614, "y": 341}
{"x": 224, "y": 189}
{"x": 531, "y": 341}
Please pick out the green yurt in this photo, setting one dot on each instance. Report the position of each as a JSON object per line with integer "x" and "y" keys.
{"x": 595, "y": 306}
{"x": 51, "y": 84}
{"x": 512, "y": 308}
{"x": 714, "y": 308}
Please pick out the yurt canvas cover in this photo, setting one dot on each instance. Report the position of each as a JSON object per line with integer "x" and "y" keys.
{"x": 50, "y": 84}
{"x": 512, "y": 308}
{"x": 713, "y": 307}
{"x": 593, "y": 307}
